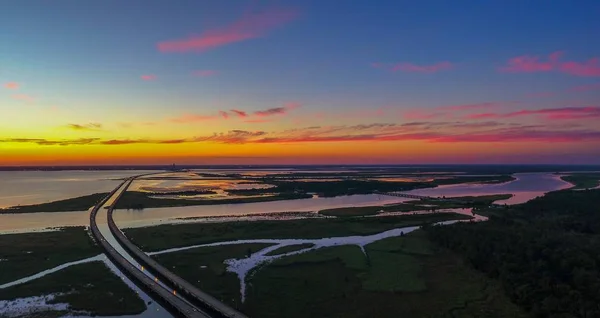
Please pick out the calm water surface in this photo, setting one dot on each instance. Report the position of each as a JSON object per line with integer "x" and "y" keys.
{"x": 526, "y": 187}
{"x": 34, "y": 187}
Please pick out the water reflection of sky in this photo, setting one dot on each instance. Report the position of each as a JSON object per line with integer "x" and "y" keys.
{"x": 526, "y": 187}
{"x": 34, "y": 187}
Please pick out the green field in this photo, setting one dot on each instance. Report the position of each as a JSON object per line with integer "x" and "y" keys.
{"x": 404, "y": 276}
{"x": 418, "y": 205}
{"x": 136, "y": 200}
{"x": 82, "y": 203}
{"x": 338, "y": 282}
{"x": 178, "y": 235}
{"x": 360, "y": 184}
{"x": 30, "y": 253}
{"x": 204, "y": 268}
{"x": 90, "y": 288}
{"x": 582, "y": 181}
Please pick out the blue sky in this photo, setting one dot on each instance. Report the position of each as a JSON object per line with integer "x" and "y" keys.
{"x": 86, "y": 58}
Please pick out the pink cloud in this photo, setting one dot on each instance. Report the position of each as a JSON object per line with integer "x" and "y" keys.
{"x": 585, "y": 88}
{"x": 239, "y": 113}
{"x": 254, "y": 118}
{"x": 523, "y": 135}
{"x": 148, "y": 77}
{"x": 250, "y": 26}
{"x": 257, "y": 121}
{"x": 270, "y": 112}
{"x": 589, "y": 68}
{"x": 277, "y": 110}
{"x": 448, "y": 132}
{"x": 482, "y": 116}
{"x": 530, "y": 64}
{"x": 449, "y": 111}
{"x": 541, "y": 95}
{"x": 23, "y": 97}
{"x": 205, "y": 73}
{"x": 420, "y": 115}
{"x": 548, "y": 113}
{"x": 472, "y": 106}
{"x": 12, "y": 85}
{"x": 413, "y": 68}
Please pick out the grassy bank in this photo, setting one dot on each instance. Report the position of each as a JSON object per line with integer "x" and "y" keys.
{"x": 364, "y": 186}
{"x": 403, "y": 276}
{"x": 30, "y": 253}
{"x": 82, "y": 203}
{"x": 582, "y": 181}
{"x": 204, "y": 268}
{"x": 90, "y": 288}
{"x": 178, "y": 235}
{"x": 141, "y": 200}
{"x": 418, "y": 205}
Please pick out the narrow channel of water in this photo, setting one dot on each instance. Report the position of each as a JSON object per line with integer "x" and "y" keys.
{"x": 527, "y": 186}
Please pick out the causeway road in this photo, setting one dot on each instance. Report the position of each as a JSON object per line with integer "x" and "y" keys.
{"x": 208, "y": 304}
{"x": 161, "y": 292}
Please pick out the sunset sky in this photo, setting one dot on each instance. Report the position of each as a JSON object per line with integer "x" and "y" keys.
{"x": 299, "y": 82}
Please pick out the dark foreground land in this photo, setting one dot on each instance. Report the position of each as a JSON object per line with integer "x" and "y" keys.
{"x": 179, "y": 235}
{"x": 544, "y": 252}
{"x": 27, "y": 254}
{"x": 583, "y": 180}
{"x": 538, "y": 259}
{"x": 407, "y": 276}
{"x": 418, "y": 205}
{"x": 89, "y": 289}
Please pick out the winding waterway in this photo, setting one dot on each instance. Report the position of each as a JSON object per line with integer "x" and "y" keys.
{"x": 527, "y": 186}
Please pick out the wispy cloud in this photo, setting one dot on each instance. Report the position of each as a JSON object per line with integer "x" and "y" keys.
{"x": 249, "y": 26}
{"x": 258, "y": 121}
{"x": 149, "y": 77}
{"x": 23, "y": 97}
{"x": 531, "y": 64}
{"x": 85, "y": 127}
{"x": 277, "y": 110}
{"x": 448, "y": 111}
{"x": 255, "y": 117}
{"x": 12, "y": 85}
{"x": 414, "y": 68}
{"x": 431, "y": 132}
{"x": 585, "y": 88}
{"x": 547, "y": 113}
{"x": 205, "y": 73}
{"x": 239, "y": 113}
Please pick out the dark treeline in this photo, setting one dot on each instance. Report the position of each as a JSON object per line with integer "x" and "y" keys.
{"x": 544, "y": 252}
